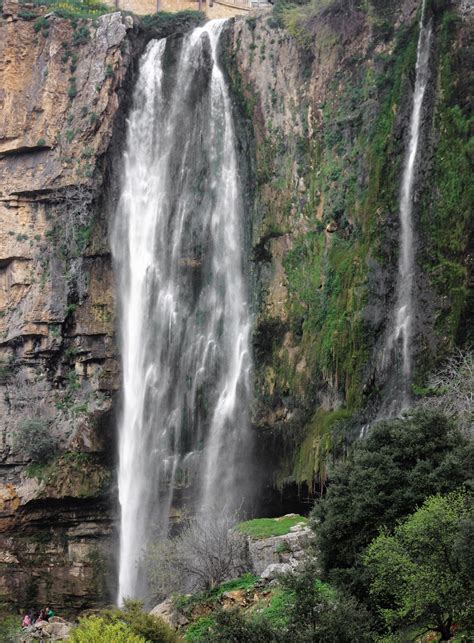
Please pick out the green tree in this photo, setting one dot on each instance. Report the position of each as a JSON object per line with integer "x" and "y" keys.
{"x": 388, "y": 475}
{"x": 420, "y": 574}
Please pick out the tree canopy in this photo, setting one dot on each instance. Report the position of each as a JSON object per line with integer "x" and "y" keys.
{"x": 421, "y": 574}
{"x": 388, "y": 475}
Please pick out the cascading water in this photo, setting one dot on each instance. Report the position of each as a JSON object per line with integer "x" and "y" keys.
{"x": 398, "y": 346}
{"x": 177, "y": 242}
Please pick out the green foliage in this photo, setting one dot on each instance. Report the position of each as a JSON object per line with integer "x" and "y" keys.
{"x": 164, "y": 24}
{"x": 41, "y": 23}
{"x": 183, "y": 603}
{"x": 401, "y": 463}
{"x": 304, "y": 609}
{"x": 266, "y": 527}
{"x": 81, "y": 36}
{"x": 41, "y": 142}
{"x": 73, "y": 9}
{"x": 231, "y": 626}
{"x": 148, "y": 628}
{"x": 109, "y": 72}
{"x": 35, "y": 440}
{"x": 199, "y": 630}
{"x": 97, "y": 629}
{"x": 315, "y": 612}
{"x": 10, "y": 629}
{"x": 446, "y": 212}
{"x": 421, "y": 574}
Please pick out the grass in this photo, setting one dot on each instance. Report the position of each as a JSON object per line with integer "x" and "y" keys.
{"x": 245, "y": 582}
{"x": 267, "y": 527}
{"x": 199, "y": 629}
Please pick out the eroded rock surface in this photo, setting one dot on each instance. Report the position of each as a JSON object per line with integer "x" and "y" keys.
{"x": 62, "y": 87}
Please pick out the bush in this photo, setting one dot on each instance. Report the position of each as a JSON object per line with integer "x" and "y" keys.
{"x": 316, "y": 612}
{"x": 10, "y": 630}
{"x": 451, "y": 390}
{"x": 164, "y": 24}
{"x": 35, "y": 441}
{"x": 394, "y": 470}
{"x": 97, "y": 629}
{"x": 303, "y": 610}
{"x": 231, "y": 626}
{"x": 205, "y": 554}
{"x": 152, "y": 629}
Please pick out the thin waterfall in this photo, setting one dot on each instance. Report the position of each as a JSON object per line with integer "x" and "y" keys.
{"x": 398, "y": 348}
{"x": 177, "y": 242}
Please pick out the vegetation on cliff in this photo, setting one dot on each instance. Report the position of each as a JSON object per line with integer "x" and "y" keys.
{"x": 325, "y": 230}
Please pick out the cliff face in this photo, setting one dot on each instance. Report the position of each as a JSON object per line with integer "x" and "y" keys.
{"x": 328, "y": 96}
{"x": 62, "y": 85}
{"x": 322, "y": 104}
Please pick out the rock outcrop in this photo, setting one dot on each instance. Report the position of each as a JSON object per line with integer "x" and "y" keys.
{"x": 279, "y": 554}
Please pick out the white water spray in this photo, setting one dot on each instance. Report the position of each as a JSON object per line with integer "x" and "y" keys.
{"x": 177, "y": 243}
{"x": 399, "y": 339}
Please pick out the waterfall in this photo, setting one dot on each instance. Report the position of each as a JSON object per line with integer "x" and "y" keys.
{"x": 177, "y": 243}
{"x": 398, "y": 345}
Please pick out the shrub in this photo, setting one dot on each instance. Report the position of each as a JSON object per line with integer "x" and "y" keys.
{"x": 10, "y": 630}
{"x": 304, "y": 610}
{"x": 164, "y": 23}
{"x": 206, "y": 553}
{"x": 152, "y": 629}
{"x": 97, "y": 629}
{"x": 199, "y": 630}
{"x": 35, "y": 440}
{"x": 451, "y": 390}
{"x": 231, "y": 626}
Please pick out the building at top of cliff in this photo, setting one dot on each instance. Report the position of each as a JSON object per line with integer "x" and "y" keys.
{"x": 212, "y": 8}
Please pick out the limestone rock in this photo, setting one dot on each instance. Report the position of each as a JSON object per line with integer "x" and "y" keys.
{"x": 58, "y": 357}
{"x": 274, "y": 570}
{"x": 276, "y": 550}
{"x": 166, "y": 612}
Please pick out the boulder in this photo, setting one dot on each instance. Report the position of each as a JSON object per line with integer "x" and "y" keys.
{"x": 166, "y": 612}
{"x": 290, "y": 548}
{"x": 57, "y": 631}
{"x": 275, "y": 569}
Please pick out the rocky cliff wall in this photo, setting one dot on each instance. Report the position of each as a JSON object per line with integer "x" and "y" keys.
{"x": 62, "y": 88}
{"x": 327, "y": 94}
{"x": 322, "y": 104}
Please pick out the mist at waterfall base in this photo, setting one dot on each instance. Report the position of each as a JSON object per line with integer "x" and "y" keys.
{"x": 397, "y": 355}
{"x": 177, "y": 243}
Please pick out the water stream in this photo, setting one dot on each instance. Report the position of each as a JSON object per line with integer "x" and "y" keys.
{"x": 177, "y": 243}
{"x": 398, "y": 350}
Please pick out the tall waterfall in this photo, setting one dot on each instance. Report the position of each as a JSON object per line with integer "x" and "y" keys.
{"x": 177, "y": 243}
{"x": 398, "y": 346}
